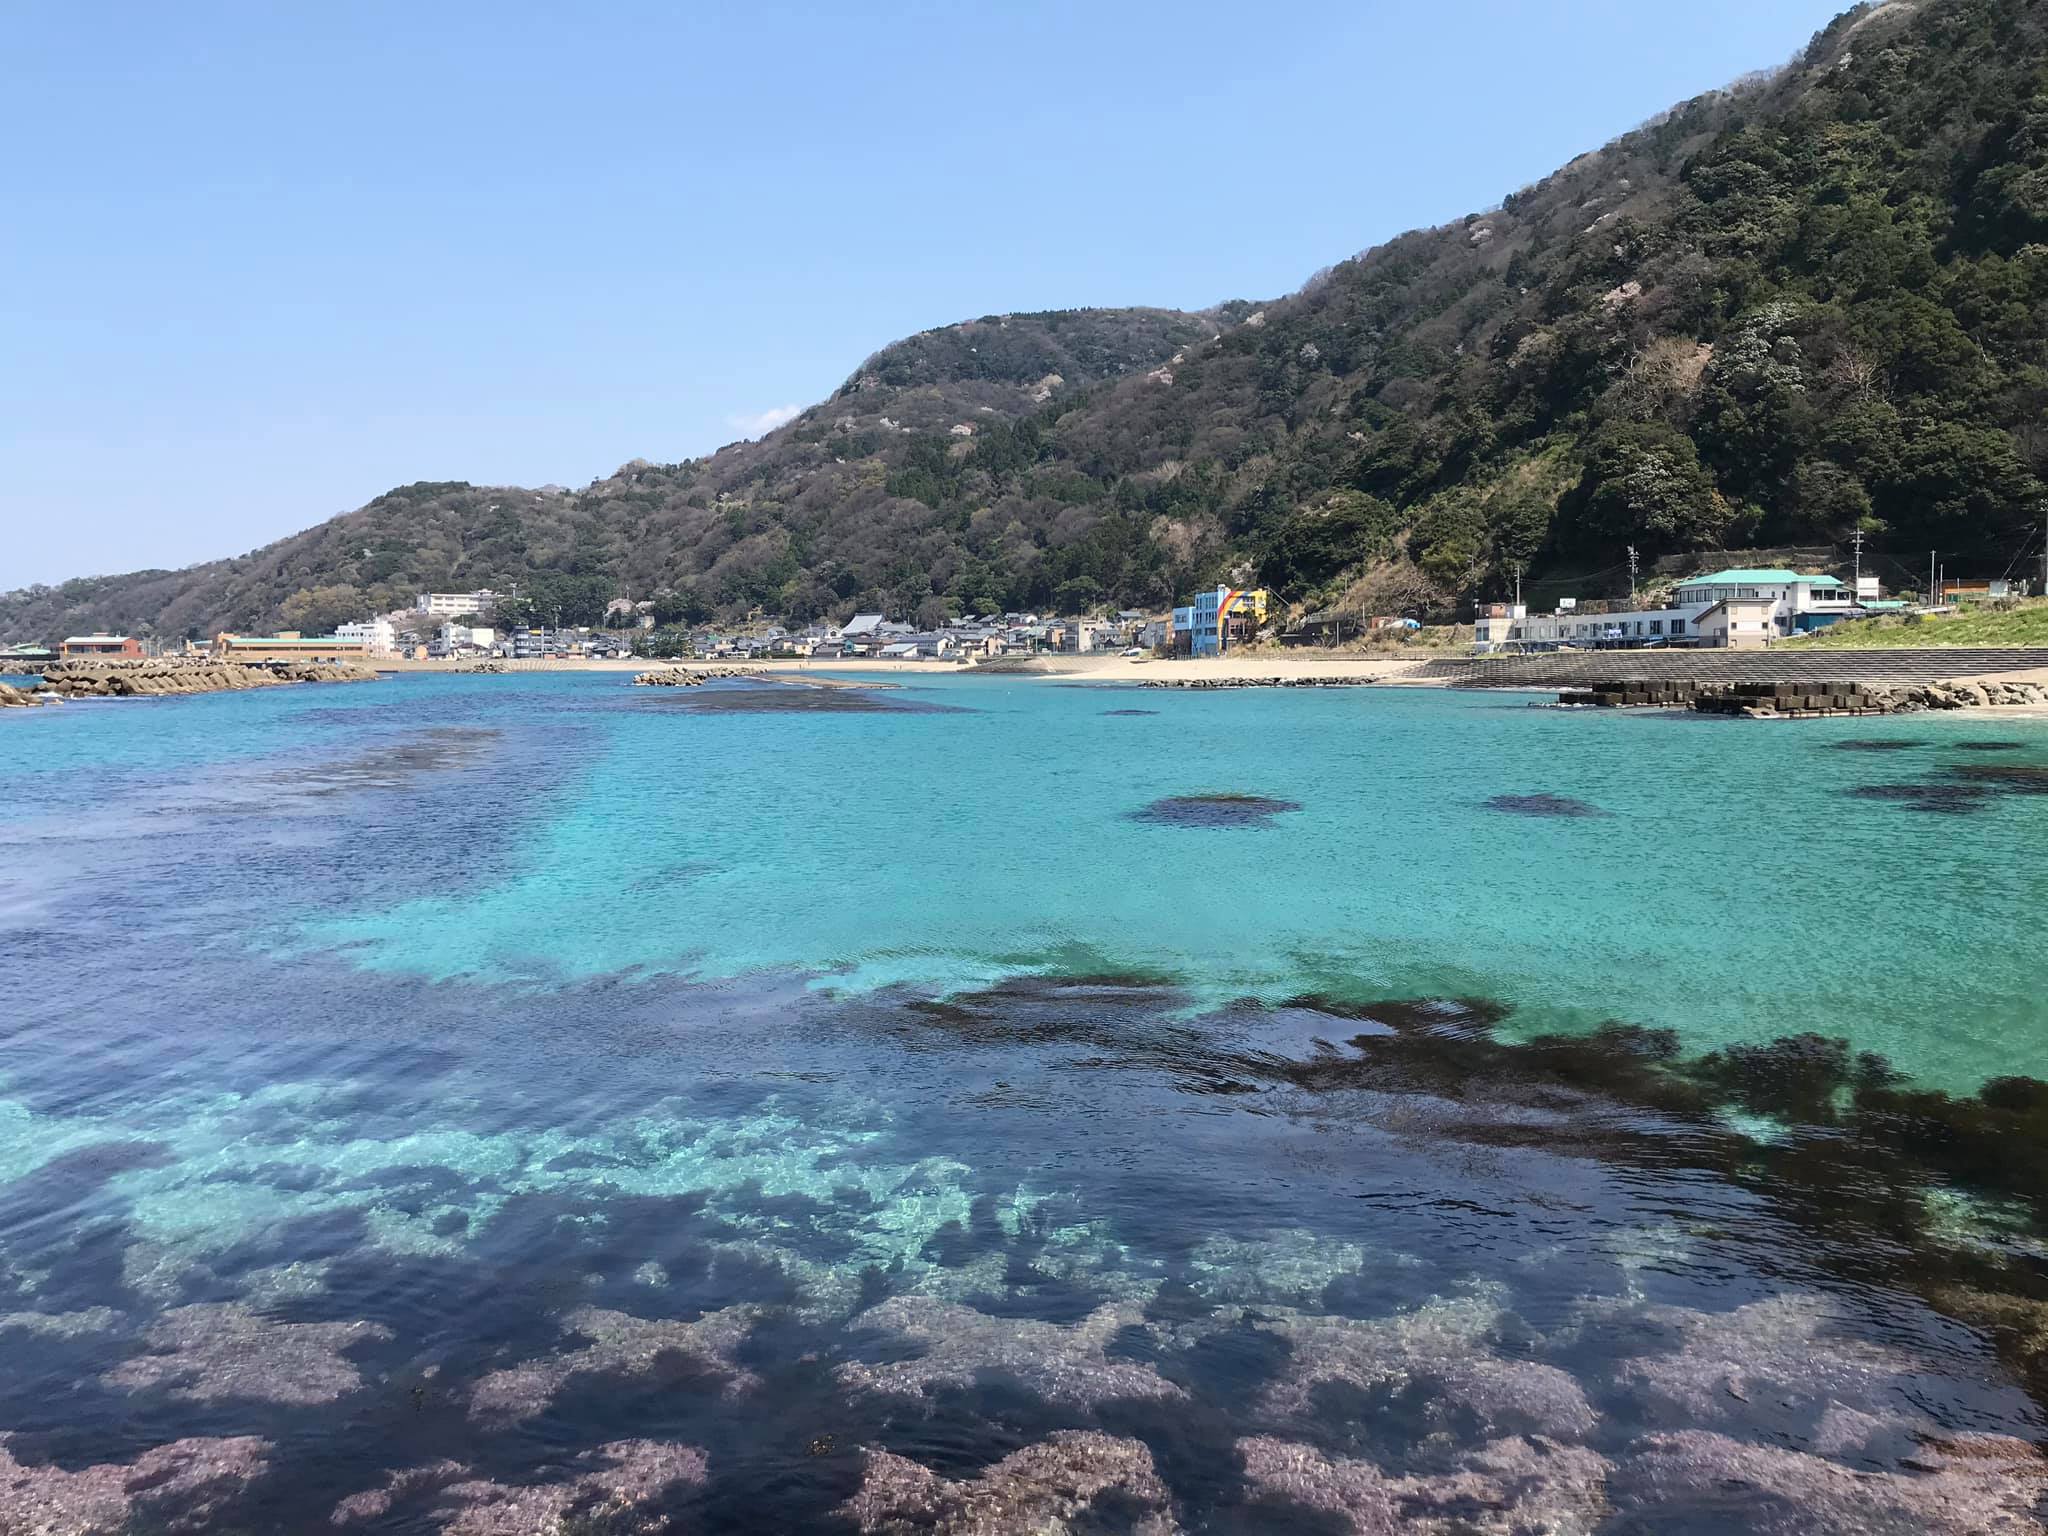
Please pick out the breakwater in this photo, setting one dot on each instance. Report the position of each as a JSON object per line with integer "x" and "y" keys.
{"x": 690, "y": 677}
{"x": 1799, "y": 700}
{"x": 159, "y": 679}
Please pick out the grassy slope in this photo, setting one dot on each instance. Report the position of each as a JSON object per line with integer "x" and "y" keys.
{"x": 2026, "y": 624}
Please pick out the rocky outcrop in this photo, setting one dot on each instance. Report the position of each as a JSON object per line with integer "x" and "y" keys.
{"x": 159, "y": 679}
{"x": 15, "y": 698}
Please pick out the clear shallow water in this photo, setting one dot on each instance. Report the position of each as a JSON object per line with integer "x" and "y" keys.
{"x": 457, "y": 1103}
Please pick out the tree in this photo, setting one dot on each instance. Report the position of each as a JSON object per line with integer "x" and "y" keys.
{"x": 1334, "y": 532}
{"x": 317, "y": 610}
{"x": 1644, "y": 484}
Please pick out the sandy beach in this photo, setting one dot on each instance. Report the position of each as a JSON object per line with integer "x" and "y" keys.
{"x": 1099, "y": 667}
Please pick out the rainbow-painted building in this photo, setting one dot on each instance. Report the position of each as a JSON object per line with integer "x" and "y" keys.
{"x": 1225, "y": 616}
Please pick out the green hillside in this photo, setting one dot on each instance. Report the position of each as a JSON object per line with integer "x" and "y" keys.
{"x": 2019, "y": 624}
{"x": 1812, "y": 303}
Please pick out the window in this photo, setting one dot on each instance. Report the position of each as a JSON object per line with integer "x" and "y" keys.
{"x": 1656, "y": 626}
{"x": 1678, "y": 626}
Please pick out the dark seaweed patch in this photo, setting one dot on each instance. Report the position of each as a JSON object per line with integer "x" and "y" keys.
{"x": 2004, "y": 778}
{"x": 1876, "y": 744}
{"x": 1987, "y": 746}
{"x": 1932, "y": 799}
{"x": 1128, "y": 713}
{"x": 804, "y": 699}
{"x": 1213, "y": 811}
{"x": 1542, "y": 805}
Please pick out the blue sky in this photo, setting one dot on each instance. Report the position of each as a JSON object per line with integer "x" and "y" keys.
{"x": 260, "y": 262}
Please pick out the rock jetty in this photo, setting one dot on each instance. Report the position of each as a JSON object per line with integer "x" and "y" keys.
{"x": 690, "y": 677}
{"x": 12, "y": 697}
{"x": 158, "y": 679}
{"x": 1803, "y": 700}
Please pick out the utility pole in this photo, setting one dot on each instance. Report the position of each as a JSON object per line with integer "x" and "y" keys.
{"x": 1856, "y": 539}
{"x": 1633, "y": 562}
{"x": 1518, "y": 583}
{"x": 1932, "y": 601}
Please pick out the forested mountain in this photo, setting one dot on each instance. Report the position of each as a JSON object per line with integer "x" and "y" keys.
{"x": 1814, "y": 302}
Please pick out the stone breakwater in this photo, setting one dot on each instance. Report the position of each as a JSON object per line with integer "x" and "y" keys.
{"x": 158, "y": 679}
{"x": 1804, "y": 700}
{"x": 1259, "y": 682}
{"x": 689, "y": 677}
{"x": 13, "y": 698}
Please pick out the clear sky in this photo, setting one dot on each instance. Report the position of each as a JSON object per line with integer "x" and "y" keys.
{"x": 259, "y": 262}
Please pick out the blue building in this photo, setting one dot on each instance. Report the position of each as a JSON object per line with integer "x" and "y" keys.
{"x": 1218, "y": 618}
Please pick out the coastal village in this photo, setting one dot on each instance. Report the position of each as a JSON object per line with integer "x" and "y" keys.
{"x": 1729, "y": 608}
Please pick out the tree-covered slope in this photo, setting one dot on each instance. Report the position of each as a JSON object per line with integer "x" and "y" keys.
{"x": 1812, "y": 303}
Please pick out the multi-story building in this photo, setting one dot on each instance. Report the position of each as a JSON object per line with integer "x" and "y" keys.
{"x": 452, "y": 605}
{"x": 1738, "y": 609}
{"x": 1221, "y": 618}
{"x": 378, "y": 636}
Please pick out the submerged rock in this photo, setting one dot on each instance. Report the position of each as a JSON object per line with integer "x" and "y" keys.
{"x": 1062, "y": 1364}
{"x": 618, "y": 1494}
{"x": 210, "y": 1351}
{"x": 1677, "y": 1481}
{"x": 1042, "y": 1488}
{"x": 1794, "y": 1353}
{"x": 174, "y": 1488}
{"x": 1443, "y": 1349}
{"x": 618, "y": 1342}
{"x": 1508, "y": 1488}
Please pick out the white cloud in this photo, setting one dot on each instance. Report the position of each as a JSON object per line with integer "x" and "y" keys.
{"x": 759, "y": 422}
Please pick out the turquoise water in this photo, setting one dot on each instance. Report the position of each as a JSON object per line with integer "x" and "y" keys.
{"x": 457, "y": 1103}
{"x": 1730, "y": 890}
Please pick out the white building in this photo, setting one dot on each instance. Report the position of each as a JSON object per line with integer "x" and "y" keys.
{"x": 467, "y": 637}
{"x": 1738, "y": 609}
{"x": 452, "y": 605}
{"x": 377, "y": 635}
